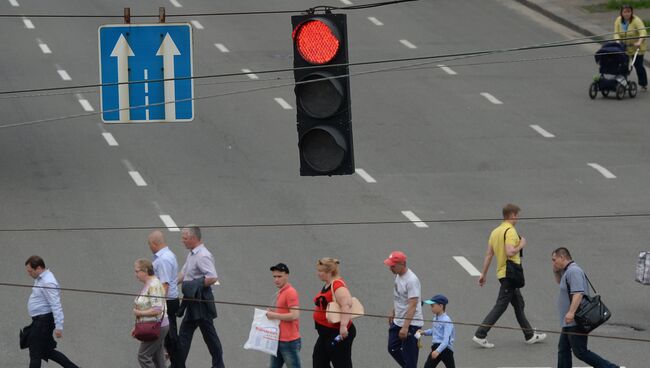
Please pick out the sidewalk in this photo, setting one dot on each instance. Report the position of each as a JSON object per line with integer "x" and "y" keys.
{"x": 575, "y": 15}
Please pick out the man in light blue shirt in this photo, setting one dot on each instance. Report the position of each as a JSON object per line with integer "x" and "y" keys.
{"x": 165, "y": 267}
{"x": 44, "y": 306}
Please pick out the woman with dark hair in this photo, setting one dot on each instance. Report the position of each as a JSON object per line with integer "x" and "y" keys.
{"x": 630, "y": 30}
{"x": 334, "y": 344}
{"x": 149, "y": 306}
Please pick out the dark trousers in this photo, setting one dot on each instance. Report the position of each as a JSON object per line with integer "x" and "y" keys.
{"x": 507, "y": 295}
{"x": 171, "y": 340}
{"x": 42, "y": 345}
{"x": 446, "y": 356}
{"x": 641, "y": 75}
{"x": 327, "y": 351}
{"x": 186, "y": 332}
{"x": 405, "y": 352}
{"x": 577, "y": 343}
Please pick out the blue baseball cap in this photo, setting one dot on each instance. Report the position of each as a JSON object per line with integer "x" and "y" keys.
{"x": 437, "y": 299}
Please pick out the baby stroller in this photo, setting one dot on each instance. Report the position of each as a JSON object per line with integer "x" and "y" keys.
{"x": 614, "y": 70}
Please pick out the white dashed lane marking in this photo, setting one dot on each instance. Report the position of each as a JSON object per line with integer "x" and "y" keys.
{"x": 64, "y": 75}
{"x": 249, "y": 74}
{"x": 414, "y": 219}
{"x": 86, "y": 105}
{"x": 28, "y": 23}
{"x": 14, "y": 3}
{"x": 346, "y": 2}
{"x": 544, "y": 133}
{"x": 491, "y": 98}
{"x": 176, "y": 3}
{"x": 169, "y": 222}
{"x": 197, "y": 24}
{"x": 137, "y": 178}
{"x": 221, "y": 47}
{"x": 363, "y": 174}
{"x": 284, "y": 104}
{"x": 44, "y": 47}
{"x": 467, "y": 265}
{"x": 110, "y": 139}
{"x": 408, "y": 44}
{"x": 603, "y": 171}
{"x": 375, "y": 21}
{"x": 447, "y": 69}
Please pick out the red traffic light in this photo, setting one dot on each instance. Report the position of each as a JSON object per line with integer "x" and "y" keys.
{"x": 317, "y": 40}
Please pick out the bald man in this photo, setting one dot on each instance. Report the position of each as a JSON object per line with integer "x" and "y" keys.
{"x": 166, "y": 269}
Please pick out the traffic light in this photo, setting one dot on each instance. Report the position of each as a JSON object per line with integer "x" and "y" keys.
{"x": 320, "y": 61}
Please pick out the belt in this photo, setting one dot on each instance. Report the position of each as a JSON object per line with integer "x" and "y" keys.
{"x": 43, "y": 316}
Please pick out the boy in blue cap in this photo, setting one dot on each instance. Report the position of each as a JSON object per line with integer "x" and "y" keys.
{"x": 442, "y": 332}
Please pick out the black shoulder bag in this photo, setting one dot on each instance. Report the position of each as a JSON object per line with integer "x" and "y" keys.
{"x": 514, "y": 271}
{"x": 592, "y": 312}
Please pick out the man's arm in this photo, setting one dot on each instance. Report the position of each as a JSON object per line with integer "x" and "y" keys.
{"x": 53, "y": 297}
{"x": 576, "y": 299}
{"x": 408, "y": 316}
{"x": 293, "y": 314}
{"x": 511, "y": 250}
{"x": 489, "y": 253}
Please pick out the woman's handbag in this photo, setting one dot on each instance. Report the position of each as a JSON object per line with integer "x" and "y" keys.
{"x": 333, "y": 311}
{"x": 592, "y": 312}
{"x": 149, "y": 330}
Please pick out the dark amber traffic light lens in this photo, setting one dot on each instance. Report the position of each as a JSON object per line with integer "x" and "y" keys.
{"x": 317, "y": 41}
{"x": 320, "y": 95}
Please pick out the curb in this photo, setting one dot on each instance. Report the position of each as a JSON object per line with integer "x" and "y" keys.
{"x": 558, "y": 19}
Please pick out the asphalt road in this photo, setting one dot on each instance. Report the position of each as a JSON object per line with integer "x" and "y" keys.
{"x": 434, "y": 144}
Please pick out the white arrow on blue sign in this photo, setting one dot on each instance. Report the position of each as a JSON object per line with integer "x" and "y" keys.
{"x": 141, "y": 53}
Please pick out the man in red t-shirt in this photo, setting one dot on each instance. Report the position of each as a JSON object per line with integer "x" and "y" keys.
{"x": 286, "y": 310}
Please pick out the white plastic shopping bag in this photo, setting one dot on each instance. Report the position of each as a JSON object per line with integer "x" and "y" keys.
{"x": 643, "y": 268}
{"x": 264, "y": 334}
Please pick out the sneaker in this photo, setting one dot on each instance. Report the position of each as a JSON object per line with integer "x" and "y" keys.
{"x": 484, "y": 343}
{"x": 537, "y": 337}
{"x": 644, "y": 88}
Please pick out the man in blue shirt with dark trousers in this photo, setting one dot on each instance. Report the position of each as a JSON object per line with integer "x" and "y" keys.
{"x": 44, "y": 307}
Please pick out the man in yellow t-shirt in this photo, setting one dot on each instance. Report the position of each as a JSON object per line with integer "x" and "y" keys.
{"x": 506, "y": 244}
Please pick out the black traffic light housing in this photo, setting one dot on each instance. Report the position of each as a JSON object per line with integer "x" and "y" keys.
{"x": 321, "y": 72}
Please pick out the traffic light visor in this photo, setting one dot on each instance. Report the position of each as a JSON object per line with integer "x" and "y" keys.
{"x": 317, "y": 40}
{"x": 323, "y": 149}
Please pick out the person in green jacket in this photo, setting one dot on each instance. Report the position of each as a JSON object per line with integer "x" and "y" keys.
{"x": 631, "y": 31}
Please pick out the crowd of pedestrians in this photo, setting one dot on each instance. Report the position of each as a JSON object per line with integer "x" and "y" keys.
{"x": 163, "y": 283}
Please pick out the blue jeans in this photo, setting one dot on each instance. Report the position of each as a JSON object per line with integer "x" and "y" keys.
{"x": 405, "y": 352}
{"x": 288, "y": 353}
{"x": 577, "y": 343}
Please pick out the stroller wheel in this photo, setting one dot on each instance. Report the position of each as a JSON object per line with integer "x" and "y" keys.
{"x": 620, "y": 91}
{"x": 593, "y": 90}
{"x": 632, "y": 89}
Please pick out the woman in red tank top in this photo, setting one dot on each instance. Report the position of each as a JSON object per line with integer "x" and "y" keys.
{"x": 334, "y": 344}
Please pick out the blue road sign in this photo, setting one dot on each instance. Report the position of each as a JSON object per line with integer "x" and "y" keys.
{"x": 142, "y": 53}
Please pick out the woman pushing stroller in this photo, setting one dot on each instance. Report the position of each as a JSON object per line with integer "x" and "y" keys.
{"x": 630, "y": 30}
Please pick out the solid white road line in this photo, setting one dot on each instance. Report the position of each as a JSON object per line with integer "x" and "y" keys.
{"x": 110, "y": 139}
{"x": 176, "y": 3}
{"x": 137, "y": 178}
{"x": 542, "y": 131}
{"x": 606, "y": 173}
{"x": 169, "y": 222}
{"x": 14, "y": 3}
{"x": 44, "y": 47}
{"x": 285, "y": 105}
{"x": 491, "y": 98}
{"x": 447, "y": 69}
{"x": 197, "y": 24}
{"x": 414, "y": 219}
{"x": 408, "y": 44}
{"x": 249, "y": 74}
{"x": 28, "y": 23}
{"x": 64, "y": 75}
{"x": 221, "y": 47}
{"x": 346, "y": 2}
{"x": 86, "y": 105}
{"x": 362, "y": 173}
{"x": 467, "y": 266}
{"x": 375, "y": 21}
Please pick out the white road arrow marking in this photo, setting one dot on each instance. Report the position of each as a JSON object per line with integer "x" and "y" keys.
{"x": 122, "y": 51}
{"x": 168, "y": 50}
